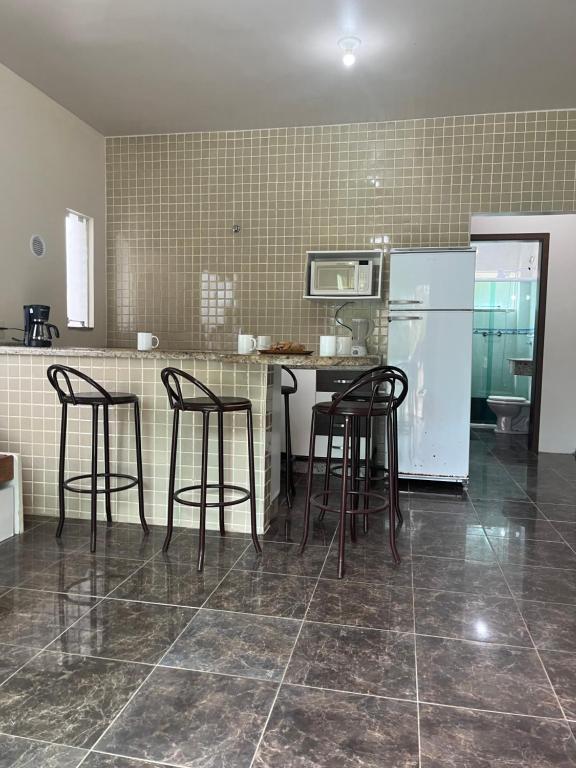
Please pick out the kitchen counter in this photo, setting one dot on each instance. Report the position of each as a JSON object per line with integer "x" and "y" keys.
{"x": 30, "y": 425}
{"x": 255, "y": 358}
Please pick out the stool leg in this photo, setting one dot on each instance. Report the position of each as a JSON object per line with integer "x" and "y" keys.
{"x": 61, "y": 468}
{"x": 394, "y": 417}
{"x": 367, "y": 468}
{"x": 392, "y": 480}
{"x": 171, "y": 480}
{"x": 203, "y": 490}
{"x": 252, "y": 470}
{"x": 221, "y": 471}
{"x": 328, "y": 468}
{"x": 289, "y": 482}
{"x": 140, "y": 471}
{"x": 343, "y": 498}
{"x": 309, "y": 478}
{"x": 94, "y": 487}
{"x": 354, "y": 470}
{"x": 106, "y": 420}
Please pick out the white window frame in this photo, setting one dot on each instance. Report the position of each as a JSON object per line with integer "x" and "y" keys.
{"x": 85, "y": 316}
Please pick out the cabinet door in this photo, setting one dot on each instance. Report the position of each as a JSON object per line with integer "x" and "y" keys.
{"x": 301, "y": 410}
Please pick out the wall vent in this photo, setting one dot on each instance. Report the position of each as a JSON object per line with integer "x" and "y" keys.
{"x": 38, "y": 246}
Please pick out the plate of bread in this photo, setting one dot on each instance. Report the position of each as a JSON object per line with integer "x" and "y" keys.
{"x": 286, "y": 348}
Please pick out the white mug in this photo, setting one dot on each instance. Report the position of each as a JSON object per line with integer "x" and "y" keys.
{"x": 246, "y": 343}
{"x": 263, "y": 342}
{"x": 327, "y": 346}
{"x": 344, "y": 346}
{"x": 147, "y": 341}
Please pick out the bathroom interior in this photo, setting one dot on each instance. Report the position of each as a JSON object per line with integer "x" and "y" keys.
{"x": 503, "y": 348}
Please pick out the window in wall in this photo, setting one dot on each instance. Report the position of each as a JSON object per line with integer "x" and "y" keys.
{"x": 79, "y": 270}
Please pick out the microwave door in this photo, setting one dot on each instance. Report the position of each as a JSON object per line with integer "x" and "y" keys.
{"x": 330, "y": 278}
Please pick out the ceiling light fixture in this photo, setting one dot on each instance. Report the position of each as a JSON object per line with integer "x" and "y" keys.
{"x": 349, "y": 45}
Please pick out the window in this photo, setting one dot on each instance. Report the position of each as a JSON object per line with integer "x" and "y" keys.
{"x": 79, "y": 270}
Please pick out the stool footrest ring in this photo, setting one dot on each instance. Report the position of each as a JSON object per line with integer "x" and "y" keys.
{"x": 359, "y": 494}
{"x": 212, "y": 486}
{"x": 132, "y": 482}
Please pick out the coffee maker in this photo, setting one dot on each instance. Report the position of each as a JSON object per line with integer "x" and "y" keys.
{"x": 38, "y": 332}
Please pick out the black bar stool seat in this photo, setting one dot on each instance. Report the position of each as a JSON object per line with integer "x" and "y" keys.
{"x": 207, "y": 406}
{"x": 287, "y": 391}
{"x": 351, "y": 408}
{"x": 226, "y": 404}
{"x": 60, "y": 377}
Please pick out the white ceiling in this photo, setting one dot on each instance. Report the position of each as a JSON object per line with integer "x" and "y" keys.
{"x": 152, "y": 66}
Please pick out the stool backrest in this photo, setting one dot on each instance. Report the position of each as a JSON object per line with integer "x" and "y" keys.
{"x": 385, "y": 381}
{"x": 291, "y": 374}
{"x": 171, "y": 380}
{"x": 58, "y": 374}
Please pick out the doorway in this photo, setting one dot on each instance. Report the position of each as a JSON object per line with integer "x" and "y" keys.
{"x": 509, "y": 324}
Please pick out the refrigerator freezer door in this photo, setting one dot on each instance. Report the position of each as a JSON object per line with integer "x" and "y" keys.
{"x": 435, "y": 350}
{"x": 432, "y": 279}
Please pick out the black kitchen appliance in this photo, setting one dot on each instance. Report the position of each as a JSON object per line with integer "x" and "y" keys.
{"x": 38, "y": 332}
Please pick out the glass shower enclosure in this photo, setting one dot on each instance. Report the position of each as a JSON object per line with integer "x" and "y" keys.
{"x": 505, "y": 304}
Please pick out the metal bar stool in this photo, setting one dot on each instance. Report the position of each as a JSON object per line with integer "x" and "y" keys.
{"x": 390, "y": 471}
{"x": 207, "y": 406}
{"x": 387, "y": 390}
{"x": 59, "y": 377}
{"x": 287, "y": 391}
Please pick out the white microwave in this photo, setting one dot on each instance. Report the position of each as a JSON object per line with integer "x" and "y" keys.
{"x": 350, "y": 275}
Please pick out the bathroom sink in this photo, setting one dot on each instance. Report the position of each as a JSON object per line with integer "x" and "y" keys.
{"x": 521, "y": 366}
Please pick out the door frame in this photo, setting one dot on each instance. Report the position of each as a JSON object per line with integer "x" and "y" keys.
{"x": 536, "y": 405}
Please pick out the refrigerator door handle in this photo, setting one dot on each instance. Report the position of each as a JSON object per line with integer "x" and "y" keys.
{"x": 405, "y": 301}
{"x": 404, "y": 317}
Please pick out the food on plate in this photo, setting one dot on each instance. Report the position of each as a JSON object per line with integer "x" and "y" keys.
{"x": 287, "y": 347}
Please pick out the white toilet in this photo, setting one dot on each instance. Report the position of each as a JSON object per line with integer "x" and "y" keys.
{"x": 512, "y": 413}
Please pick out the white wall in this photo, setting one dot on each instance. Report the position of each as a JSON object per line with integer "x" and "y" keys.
{"x": 49, "y": 161}
{"x": 558, "y": 416}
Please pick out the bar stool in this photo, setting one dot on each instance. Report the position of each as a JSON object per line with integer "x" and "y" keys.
{"x": 364, "y": 396}
{"x": 387, "y": 390}
{"x": 207, "y": 406}
{"x": 97, "y": 398}
{"x": 287, "y": 391}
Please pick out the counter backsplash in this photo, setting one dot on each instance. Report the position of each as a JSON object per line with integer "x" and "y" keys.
{"x": 177, "y": 268}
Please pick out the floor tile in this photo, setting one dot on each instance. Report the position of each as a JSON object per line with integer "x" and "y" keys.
{"x": 444, "y": 574}
{"x": 429, "y": 503}
{"x": 561, "y": 512}
{"x": 174, "y": 583}
{"x": 18, "y": 566}
{"x": 279, "y": 557}
{"x": 129, "y": 542}
{"x": 271, "y": 594}
{"x": 100, "y": 760}
{"x": 352, "y": 659}
{"x": 561, "y": 668}
{"x": 567, "y": 531}
{"x": 67, "y": 699}
{"x": 370, "y": 564}
{"x": 83, "y": 575}
{"x": 193, "y": 719}
{"x": 323, "y": 729}
{"x": 35, "y": 618}
{"x": 483, "y": 676}
{"x": 235, "y": 644}
{"x": 288, "y": 528}
{"x": 523, "y": 530}
{"x": 42, "y": 542}
{"x": 470, "y": 617}
{"x": 499, "y": 512}
{"x": 546, "y": 584}
{"x": 540, "y": 553}
{"x": 458, "y": 545}
{"x": 220, "y": 552}
{"x": 12, "y": 657}
{"x": 461, "y": 738}
{"x": 359, "y": 604}
{"x": 552, "y": 625}
{"x": 117, "y": 629}
{"x": 422, "y": 523}
{"x": 23, "y": 753}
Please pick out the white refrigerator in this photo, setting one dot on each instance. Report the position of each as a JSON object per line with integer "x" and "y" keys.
{"x": 431, "y": 308}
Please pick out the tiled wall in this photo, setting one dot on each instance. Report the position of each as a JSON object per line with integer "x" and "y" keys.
{"x": 176, "y": 268}
{"x": 30, "y": 425}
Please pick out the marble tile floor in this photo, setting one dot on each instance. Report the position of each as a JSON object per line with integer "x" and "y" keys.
{"x": 464, "y": 655}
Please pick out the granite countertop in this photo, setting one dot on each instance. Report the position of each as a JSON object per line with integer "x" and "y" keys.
{"x": 293, "y": 361}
